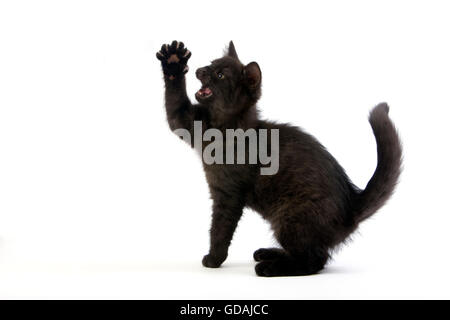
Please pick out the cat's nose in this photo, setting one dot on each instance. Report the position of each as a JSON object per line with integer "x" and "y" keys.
{"x": 201, "y": 73}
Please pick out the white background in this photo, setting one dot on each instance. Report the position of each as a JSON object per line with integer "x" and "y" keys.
{"x": 98, "y": 199}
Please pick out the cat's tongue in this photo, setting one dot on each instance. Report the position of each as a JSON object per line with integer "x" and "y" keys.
{"x": 204, "y": 92}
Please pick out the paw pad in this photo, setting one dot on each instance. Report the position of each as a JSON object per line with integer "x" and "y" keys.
{"x": 174, "y": 58}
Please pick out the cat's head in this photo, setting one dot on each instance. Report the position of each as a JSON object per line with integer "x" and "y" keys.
{"x": 228, "y": 85}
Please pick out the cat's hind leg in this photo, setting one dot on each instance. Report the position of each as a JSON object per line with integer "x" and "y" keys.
{"x": 301, "y": 253}
{"x": 291, "y": 265}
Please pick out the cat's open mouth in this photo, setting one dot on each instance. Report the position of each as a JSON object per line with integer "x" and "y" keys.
{"x": 204, "y": 93}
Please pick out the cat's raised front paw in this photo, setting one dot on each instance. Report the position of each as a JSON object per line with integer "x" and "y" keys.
{"x": 174, "y": 58}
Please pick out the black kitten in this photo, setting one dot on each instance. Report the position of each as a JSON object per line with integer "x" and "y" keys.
{"x": 310, "y": 203}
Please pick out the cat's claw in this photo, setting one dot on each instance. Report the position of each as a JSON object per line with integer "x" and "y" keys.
{"x": 174, "y": 58}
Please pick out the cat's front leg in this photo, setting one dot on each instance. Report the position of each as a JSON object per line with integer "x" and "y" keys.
{"x": 174, "y": 58}
{"x": 225, "y": 218}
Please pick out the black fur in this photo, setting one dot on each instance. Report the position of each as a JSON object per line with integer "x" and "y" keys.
{"x": 310, "y": 203}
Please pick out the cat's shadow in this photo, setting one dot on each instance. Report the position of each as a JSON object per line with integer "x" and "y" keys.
{"x": 248, "y": 268}
{"x": 240, "y": 269}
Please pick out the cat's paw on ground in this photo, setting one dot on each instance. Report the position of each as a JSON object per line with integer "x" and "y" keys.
{"x": 268, "y": 254}
{"x": 267, "y": 268}
{"x": 174, "y": 58}
{"x": 211, "y": 261}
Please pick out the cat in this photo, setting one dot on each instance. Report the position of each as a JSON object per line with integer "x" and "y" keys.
{"x": 310, "y": 202}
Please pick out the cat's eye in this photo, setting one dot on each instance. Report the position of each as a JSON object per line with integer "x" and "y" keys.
{"x": 220, "y": 75}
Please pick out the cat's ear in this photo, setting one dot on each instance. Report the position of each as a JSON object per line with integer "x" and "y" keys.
{"x": 252, "y": 74}
{"x": 232, "y": 51}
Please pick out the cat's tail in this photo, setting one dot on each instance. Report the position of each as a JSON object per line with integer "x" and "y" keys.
{"x": 389, "y": 149}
